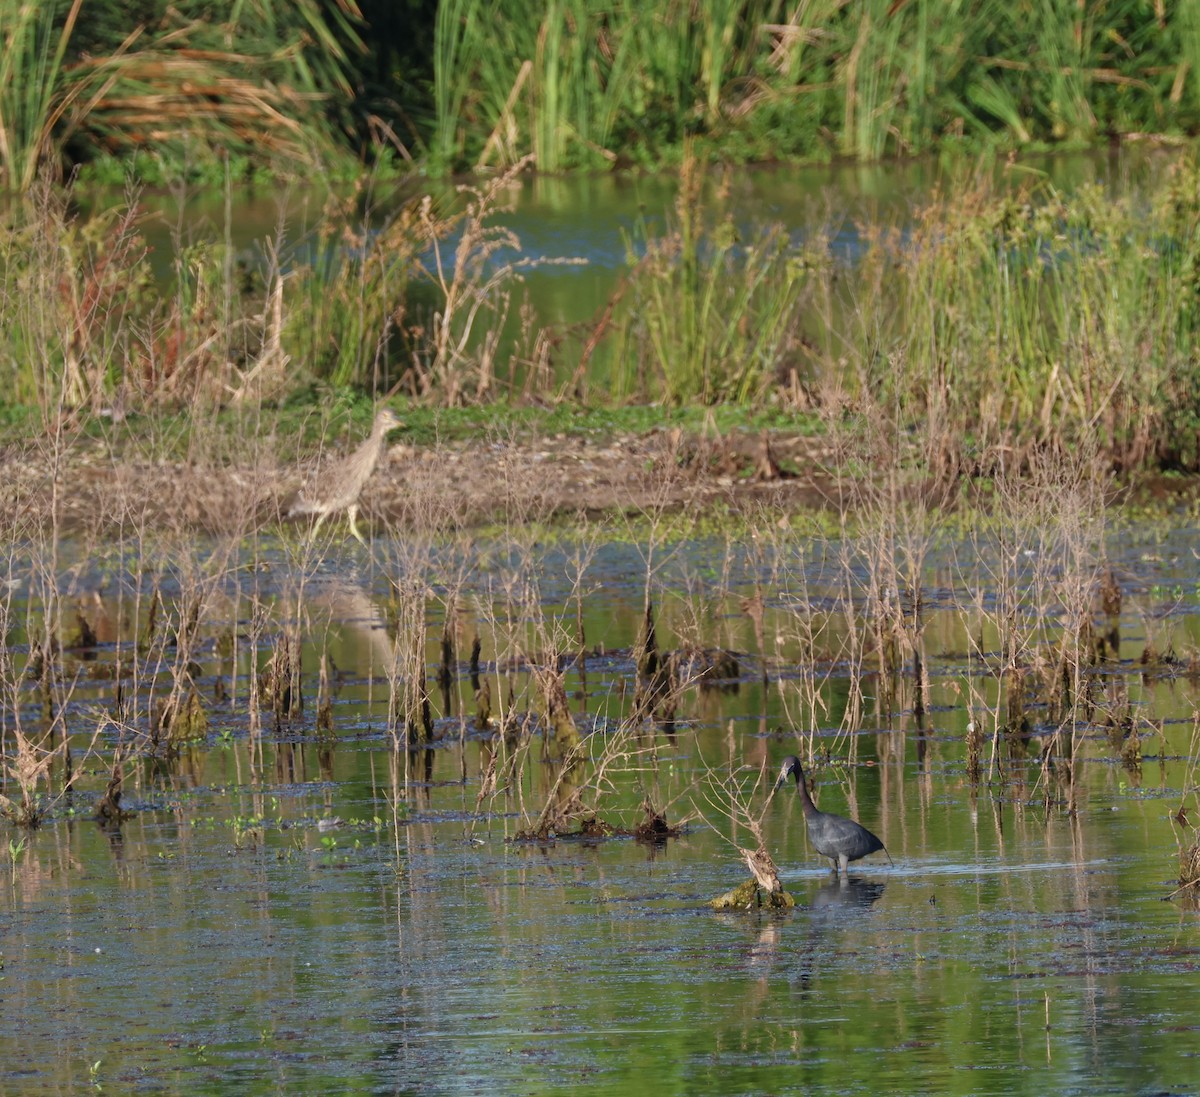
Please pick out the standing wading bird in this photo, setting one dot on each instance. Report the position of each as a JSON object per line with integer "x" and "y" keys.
{"x": 840, "y": 839}
{"x": 338, "y": 486}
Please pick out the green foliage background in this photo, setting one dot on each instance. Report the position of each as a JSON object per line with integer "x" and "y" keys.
{"x": 603, "y": 83}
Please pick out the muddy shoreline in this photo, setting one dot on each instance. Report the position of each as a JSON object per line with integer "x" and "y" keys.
{"x": 457, "y": 484}
{"x": 468, "y": 483}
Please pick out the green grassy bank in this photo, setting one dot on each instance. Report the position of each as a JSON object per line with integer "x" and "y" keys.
{"x": 987, "y": 323}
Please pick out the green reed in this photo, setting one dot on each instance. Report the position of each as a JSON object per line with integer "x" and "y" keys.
{"x": 1034, "y": 317}
{"x": 705, "y": 317}
{"x": 32, "y": 93}
{"x": 581, "y": 83}
{"x": 457, "y": 44}
{"x": 577, "y": 82}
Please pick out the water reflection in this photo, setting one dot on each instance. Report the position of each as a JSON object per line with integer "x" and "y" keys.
{"x": 847, "y": 892}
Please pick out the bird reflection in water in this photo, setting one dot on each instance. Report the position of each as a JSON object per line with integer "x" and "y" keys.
{"x": 848, "y": 891}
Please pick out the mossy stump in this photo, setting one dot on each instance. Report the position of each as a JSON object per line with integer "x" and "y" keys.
{"x": 749, "y": 896}
{"x": 764, "y": 881}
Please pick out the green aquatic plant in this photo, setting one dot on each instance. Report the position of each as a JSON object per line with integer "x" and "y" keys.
{"x": 34, "y": 92}
{"x": 1013, "y": 317}
{"x": 709, "y": 318}
{"x": 16, "y": 848}
{"x": 458, "y": 44}
{"x": 559, "y": 82}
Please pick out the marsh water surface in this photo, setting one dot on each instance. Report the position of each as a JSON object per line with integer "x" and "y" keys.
{"x": 290, "y": 909}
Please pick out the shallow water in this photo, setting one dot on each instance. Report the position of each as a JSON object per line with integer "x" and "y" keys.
{"x": 432, "y": 964}
{"x": 288, "y": 911}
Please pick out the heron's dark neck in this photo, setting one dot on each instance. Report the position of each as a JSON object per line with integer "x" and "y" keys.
{"x": 806, "y": 801}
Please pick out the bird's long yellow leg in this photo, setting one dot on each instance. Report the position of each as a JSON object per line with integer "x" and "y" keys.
{"x": 354, "y": 528}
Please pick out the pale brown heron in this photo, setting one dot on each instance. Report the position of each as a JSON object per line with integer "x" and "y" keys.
{"x": 338, "y": 486}
{"x": 840, "y": 839}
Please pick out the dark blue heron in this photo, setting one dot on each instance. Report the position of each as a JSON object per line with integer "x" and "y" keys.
{"x": 840, "y": 839}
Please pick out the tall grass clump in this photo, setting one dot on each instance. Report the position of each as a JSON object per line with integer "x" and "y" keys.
{"x": 344, "y": 311}
{"x": 258, "y": 85}
{"x": 33, "y": 94}
{"x": 703, "y": 316}
{"x": 577, "y": 83}
{"x": 1015, "y": 319}
{"x": 263, "y": 84}
{"x": 87, "y": 325}
{"x": 420, "y": 302}
{"x": 50, "y": 320}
